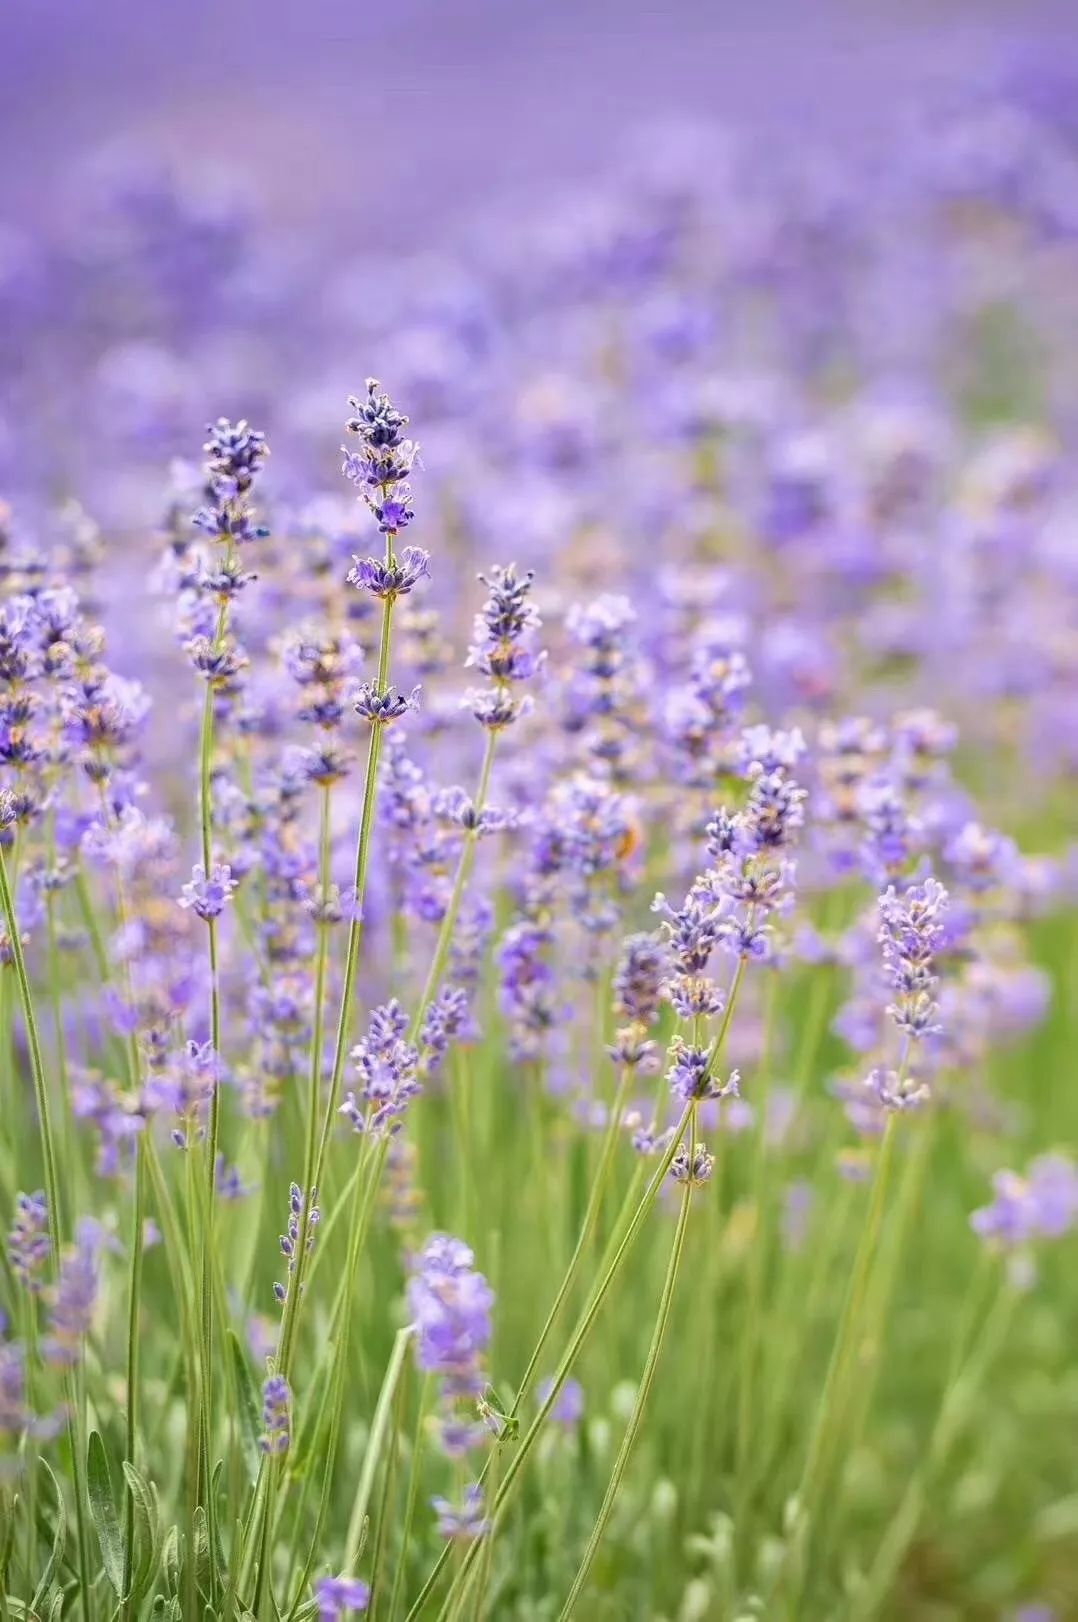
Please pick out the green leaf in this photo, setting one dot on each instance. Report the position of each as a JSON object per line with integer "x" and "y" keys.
{"x": 147, "y": 1528}
{"x": 203, "y": 1571}
{"x": 250, "y": 1415}
{"x": 59, "y": 1541}
{"x": 171, "y": 1558}
{"x": 7, "y": 1541}
{"x": 103, "y": 1511}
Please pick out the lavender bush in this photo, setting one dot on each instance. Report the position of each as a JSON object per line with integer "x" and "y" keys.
{"x": 524, "y": 982}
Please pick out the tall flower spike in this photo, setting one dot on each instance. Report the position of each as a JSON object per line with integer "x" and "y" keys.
{"x": 911, "y": 932}
{"x": 503, "y": 647}
{"x": 380, "y": 468}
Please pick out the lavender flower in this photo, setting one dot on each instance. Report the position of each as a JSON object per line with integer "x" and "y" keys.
{"x": 276, "y": 1436}
{"x": 568, "y": 1409}
{"x": 690, "y": 1076}
{"x": 381, "y": 709}
{"x": 1041, "y": 1205}
{"x": 695, "y": 1168}
{"x": 29, "y": 1244}
{"x": 395, "y": 579}
{"x": 381, "y": 465}
{"x": 74, "y": 1298}
{"x": 462, "y": 1522}
{"x": 291, "y": 1241}
{"x": 207, "y": 897}
{"x": 911, "y": 932}
{"x": 503, "y": 647}
{"x": 338, "y": 1596}
{"x": 15, "y": 1416}
{"x": 387, "y": 1067}
{"x": 451, "y": 1304}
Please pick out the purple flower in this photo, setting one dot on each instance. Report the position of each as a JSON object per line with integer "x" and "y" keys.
{"x": 29, "y": 1244}
{"x": 1041, "y": 1205}
{"x": 14, "y": 1414}
{"x": 690, "y": 1076}
{"x": 451, "y": 1303}
{"x": 462, "y": 1522}
{"x": 568, "y": 1410}
{"x": 337, "y": 1596}
{"x": 395, "y": 579}
{"x": 75, "y": 1297}
{"x": 305, "y": 1214}
{"x": 694, "y": 1168}
{"x": 387, "y": 1068}
{"x": 234, "y": 456}
{"x": 896, "y": 1093}
{"x": 383, "y": 461}
{"x": 206, "y": 897}
{"x": 380, "y": 709}
{"x": 911, "y": 932}
{"x": 276, "y": 1436}
{"x": 502, "y": 647}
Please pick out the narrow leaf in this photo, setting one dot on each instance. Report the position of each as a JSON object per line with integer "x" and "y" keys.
{"x": 250, "y": 1415}
{"x": 59, "y": 1542}
{"x": 103, "y": 1511}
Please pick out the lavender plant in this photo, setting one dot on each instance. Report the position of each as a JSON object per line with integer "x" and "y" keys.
{"x": 508, "y": 1085}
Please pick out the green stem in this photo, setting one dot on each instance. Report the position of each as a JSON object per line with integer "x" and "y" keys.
{"x": 52, "y": 1188}
{"x": 580, "y": 1335}
{"x": 410, "y": 1500}
{"x": 375, "y": 1442}
{"x": 465, "y": 863}
{"x": 131, "y": 1432}
{"x": 598, "y": 1189}
{"x": 824, "y": 1435}
{"x": 953, "y": 1414}
{"x": 643, "y": 1389}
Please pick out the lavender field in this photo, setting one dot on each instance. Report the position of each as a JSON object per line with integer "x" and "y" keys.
{"x": 538, "y": 833}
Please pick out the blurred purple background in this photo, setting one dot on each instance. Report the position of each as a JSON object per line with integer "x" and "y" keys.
{"x": 395, "y": 119}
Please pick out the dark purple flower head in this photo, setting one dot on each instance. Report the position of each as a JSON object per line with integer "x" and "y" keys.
{"x": 234, "y": 452}
{"x": 382, "y": 461}
{"x": 694, "y": 1168}
{"x": 304, "y": 1216}
{"x": 234, "y": 456}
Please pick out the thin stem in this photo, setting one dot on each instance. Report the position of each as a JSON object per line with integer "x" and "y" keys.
{"x": 131, "y": 1433}
{"x": 598, "y": 1189}
{"x": 375, "y": 1441}
{"x": 465, "y": 863}
{"x": 564, "y": 1368}
{"x": 823, "y": 1439}
{"x": 348, "y": 991}
{"x": 52, "y": 1188}
{"x": 962, "y": 1388}
{"x": 643, "y": 1389}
